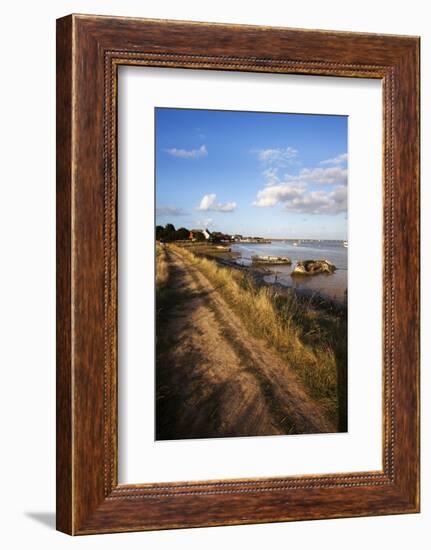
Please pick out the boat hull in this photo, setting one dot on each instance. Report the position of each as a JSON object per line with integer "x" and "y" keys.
{"x": 271, "y": 260}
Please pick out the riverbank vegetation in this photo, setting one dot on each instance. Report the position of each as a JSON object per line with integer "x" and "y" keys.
{"x": 311, "y": 339}
{"x": 162, "y": 270}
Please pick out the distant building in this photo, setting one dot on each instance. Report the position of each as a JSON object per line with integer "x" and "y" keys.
{"x": 196, "y": 234}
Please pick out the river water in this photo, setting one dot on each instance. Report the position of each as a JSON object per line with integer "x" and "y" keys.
{"x": 332, "y": 285}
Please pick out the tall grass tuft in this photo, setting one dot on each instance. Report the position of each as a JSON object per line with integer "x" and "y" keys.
{"x": 162, "y": 269}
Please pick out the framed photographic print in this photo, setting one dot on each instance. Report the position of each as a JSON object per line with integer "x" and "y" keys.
{"x": 237, "y": 274}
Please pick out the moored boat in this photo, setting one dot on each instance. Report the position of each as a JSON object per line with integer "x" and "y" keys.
{"x": 271, "y": 260}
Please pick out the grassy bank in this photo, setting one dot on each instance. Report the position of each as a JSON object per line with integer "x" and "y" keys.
{"x": 312, "y": 341}
{"x": 162, "y": 269}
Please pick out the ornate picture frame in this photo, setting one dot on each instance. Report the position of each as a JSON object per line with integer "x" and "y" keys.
{"x": 89, "y": 51}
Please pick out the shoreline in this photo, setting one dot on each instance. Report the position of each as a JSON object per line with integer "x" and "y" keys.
{"x": 258, "y": 274}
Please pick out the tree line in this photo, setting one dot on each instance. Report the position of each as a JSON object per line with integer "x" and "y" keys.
{"x": 169, "y": 233}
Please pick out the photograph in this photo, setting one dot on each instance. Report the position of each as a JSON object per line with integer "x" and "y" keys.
{"x": 251, "y": 274}
{"x": 214, "y": 235}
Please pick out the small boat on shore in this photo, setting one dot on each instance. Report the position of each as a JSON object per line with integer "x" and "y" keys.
{"x": 271, "y": 260}
{"x": 345, "y": 244}
{"x": 313, "y": 267}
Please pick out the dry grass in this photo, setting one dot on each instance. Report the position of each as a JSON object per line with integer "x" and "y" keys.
{"x": 312, "y": 342}
{"x": 162, "y": 269}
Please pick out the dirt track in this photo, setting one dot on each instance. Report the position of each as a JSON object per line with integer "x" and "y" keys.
{"x": 216, "y": 380}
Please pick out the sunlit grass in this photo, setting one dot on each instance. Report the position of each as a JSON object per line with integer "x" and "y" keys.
{"x": 162, "y": 269}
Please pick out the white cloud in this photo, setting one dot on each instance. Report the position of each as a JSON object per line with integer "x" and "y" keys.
{"x": 272, "y": 194}
{"x": 296, "y": 198}
{"x": 188, "y": 153}
{"x": 271, "y": 175}
{"x": 292, "y": 187}
{"x": 319, "y": 202}
{"x": 333, "y": 175}
{"x": 340, "y": 159}
{"x": 277, "y": 156}
{"x": 169, "y": 211}
{"x": 298, "y": 193}
{"x": 274, "y": 160}
{"x": 208, "y": 203}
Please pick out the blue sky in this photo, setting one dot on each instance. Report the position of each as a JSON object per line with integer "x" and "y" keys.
{"x": 256, "y": 174}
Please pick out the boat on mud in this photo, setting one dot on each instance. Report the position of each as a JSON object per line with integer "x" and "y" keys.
{"x": 313, "y": 267}
{"x": 271, "y": 260}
